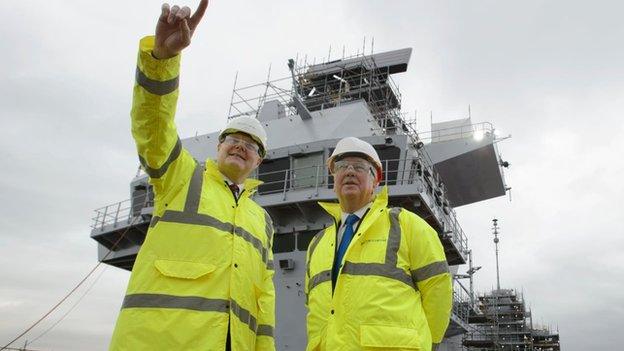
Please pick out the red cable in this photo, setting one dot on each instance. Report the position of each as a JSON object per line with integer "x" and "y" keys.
{"x": 73, "y": 290}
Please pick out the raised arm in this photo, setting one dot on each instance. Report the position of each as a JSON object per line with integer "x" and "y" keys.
{"x": 156, "y": 94}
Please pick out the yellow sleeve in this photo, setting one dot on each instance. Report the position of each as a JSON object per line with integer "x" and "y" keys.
{"x": 430, "y": 272}
{"x": 154, "y": 103}
{"x": 265, "y": 339}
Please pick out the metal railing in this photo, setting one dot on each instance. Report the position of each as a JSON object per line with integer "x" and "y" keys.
{"x": 462, "y": 304}
{"x": 248, "y": 100}
{"x": 395, "y": 172}
{"x": 122, "y": 212}
{"x": 459, "y": 132}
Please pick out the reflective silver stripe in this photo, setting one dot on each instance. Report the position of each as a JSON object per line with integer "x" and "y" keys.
{"x": 430, "y": 270}
{"x": 156, "y": 87}
{"x": 268, "y": 228}
{"x": 193, "y": 194}
{"x": 394, "y": 238}
{"x": 209, "y": 221}
{"x": 154, "y": 220}
{"x": 257, "y": 243}
{"x": 196, "y": 219}
{"x": 319, "y": 278}
{"x": 317, "y": 238}
{"x": 264, "y": 329}
{"x": 244, "y": 316}
{"x": 195, "y": 303}
{"x": 158, "y": 172}
{"x": 377, "y": 269}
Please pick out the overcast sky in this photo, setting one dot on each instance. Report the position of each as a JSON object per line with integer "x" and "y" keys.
{"x": 548, "y": 72}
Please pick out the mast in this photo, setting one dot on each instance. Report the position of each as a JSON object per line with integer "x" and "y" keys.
{"x": 495, "y": 232}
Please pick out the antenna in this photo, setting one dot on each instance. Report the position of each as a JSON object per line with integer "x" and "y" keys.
{"x": 495, "y": 232}
{"x": 263, "y": 97}
{"x": 329, "y": 53}
{"x": 364, "y": 46}
{"x": 431, "y": 117}
{"x": 232, "y": 98}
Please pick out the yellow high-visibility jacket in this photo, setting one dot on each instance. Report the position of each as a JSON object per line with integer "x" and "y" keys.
{"x": 393, "y": 292}
{"x": 207, "y": 259}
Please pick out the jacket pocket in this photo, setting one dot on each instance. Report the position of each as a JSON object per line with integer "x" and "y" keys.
{"x": 389, "y": 337}
{"x": 182, "y": 269}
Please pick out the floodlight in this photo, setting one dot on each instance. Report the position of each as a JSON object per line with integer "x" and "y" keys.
{"x": 478, "y": 135}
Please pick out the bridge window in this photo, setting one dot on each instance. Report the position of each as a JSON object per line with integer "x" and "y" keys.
{"x": 389, "y": 156}
{"x": 308, "y": 170}
{"x": 274, "y": 174}
{"x": 283, "y": 243}
{"x": 304, "y": 238}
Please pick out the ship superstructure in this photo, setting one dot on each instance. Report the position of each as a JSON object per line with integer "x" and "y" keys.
{"x": 456, "y": 163}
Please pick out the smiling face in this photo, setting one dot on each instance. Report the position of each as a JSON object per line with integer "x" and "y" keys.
{"x": 237, "y": 156}
{"x": 354, "y": 184}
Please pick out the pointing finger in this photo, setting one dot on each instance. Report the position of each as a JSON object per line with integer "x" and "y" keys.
{"x": 199, "y": 13}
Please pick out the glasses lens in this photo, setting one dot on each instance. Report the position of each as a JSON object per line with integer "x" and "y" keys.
{"x": 245, "y": 144}
{"x": 358, "y": 167}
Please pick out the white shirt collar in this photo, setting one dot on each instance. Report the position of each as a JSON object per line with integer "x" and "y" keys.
{"x": 228, "y": 181}
{"x": 360, "y": 213}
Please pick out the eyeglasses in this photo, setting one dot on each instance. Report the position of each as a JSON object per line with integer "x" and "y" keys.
{"x": 247, "y": 146}
{"x": 359, "y": 167}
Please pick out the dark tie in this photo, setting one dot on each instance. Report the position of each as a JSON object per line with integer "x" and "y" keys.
{"x": 235, "y": 189}
{"x": 344, "y": 244}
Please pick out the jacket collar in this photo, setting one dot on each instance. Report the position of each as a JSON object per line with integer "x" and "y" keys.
{"x": 212, "y": 170}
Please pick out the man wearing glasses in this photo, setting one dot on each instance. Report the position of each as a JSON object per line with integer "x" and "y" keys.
{"x": 202, "y": 279}
{"x": 377, "y": 278}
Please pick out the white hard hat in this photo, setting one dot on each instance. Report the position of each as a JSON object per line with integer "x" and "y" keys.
{"x": 250, "y": 126}
{"x": 351, "y": 146}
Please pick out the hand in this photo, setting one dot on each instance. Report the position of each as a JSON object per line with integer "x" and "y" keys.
{"x": 175, "y": 28}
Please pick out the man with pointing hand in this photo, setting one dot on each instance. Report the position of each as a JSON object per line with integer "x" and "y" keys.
{"x": 203, "y": 278}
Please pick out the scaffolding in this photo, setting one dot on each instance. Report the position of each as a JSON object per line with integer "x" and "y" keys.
{"x": 545, "y": 339}
{"x": 504, "y": 323}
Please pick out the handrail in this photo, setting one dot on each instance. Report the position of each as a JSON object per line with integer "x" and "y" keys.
{"x": 458, "y": 132}
{"x": 121, "y": 212}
